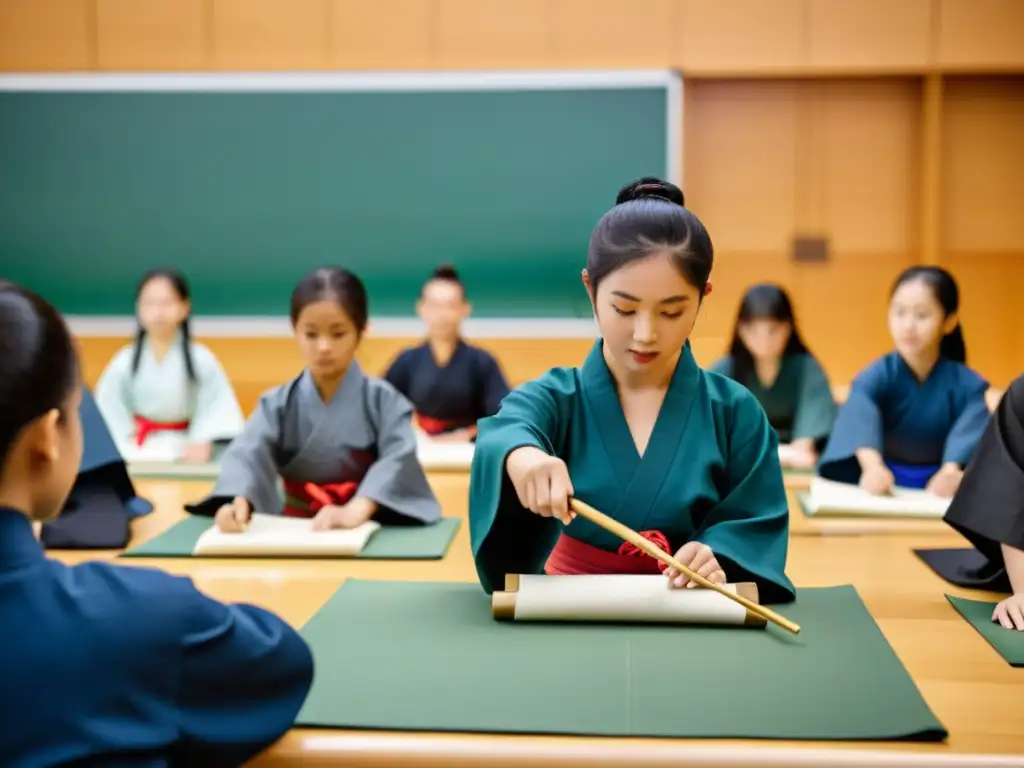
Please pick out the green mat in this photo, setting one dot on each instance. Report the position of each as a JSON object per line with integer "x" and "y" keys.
{"x": 419, "y": 542}
{"x": 430, "y": 657}
{"x": 1008, "y": 643}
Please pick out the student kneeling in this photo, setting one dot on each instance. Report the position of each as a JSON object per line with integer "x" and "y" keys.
{"x": 103, "y": 664}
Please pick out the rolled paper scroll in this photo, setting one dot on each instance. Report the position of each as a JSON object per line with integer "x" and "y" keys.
{"x": 829, "y": 498}
{"x": 274, "y": 536}
{"x": 622, "y": 599}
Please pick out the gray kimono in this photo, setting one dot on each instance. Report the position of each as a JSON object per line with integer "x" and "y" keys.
{"x": 363, "y": 435}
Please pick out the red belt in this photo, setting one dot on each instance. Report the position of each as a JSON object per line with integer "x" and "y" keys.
{"x": 144, "y": 428}
{"x": 306, "y": 499}
{"x": 433, "y": 426}
{"x": 572, "y": 557}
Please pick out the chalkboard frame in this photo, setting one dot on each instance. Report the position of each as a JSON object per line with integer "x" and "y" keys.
{"x": 383, "y": 326}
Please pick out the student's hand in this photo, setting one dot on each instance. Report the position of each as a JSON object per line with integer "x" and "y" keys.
{"x": 234, "y": 517}
{"x": 542, "y": 483}
{"x": 350, "y": 515}
{"x": 877, "y": 480}
{"x": 945, "y": 482}
{"x": 800, "y": 456}
{"x": 1010, "y": 612}
{"x": 199, "y": 452}
{"x": 701, "y": 560}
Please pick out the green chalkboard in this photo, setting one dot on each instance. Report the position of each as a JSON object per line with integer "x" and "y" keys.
{"x": 246, "y": 182}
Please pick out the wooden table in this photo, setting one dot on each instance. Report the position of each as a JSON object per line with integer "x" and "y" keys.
{"x": 973, "y": 692}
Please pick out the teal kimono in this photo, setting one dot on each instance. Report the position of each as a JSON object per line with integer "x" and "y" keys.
{"x": 799, "y": 403}
{"x": 710, "y": 472}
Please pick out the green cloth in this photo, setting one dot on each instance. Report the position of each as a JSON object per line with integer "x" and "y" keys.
{"x": 1008, "y": 643}
{"x": 429, "y": 656}
{"x": 414, "y": 542}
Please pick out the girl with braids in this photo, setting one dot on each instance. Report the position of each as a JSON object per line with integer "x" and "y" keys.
{"x": 165, "y": 397}
{"x": 684, "y": 456}
{"x": 913, "y": 417}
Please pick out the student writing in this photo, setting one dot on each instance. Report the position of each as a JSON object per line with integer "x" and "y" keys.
{"x": 341, "y": 442}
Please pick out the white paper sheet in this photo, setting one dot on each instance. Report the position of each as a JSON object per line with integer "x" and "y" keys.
{"x": 622, "y": 598}
{"x": 444, "y": 457}
{"x": 829, "y": 498}
{"x": 272, "y": 535}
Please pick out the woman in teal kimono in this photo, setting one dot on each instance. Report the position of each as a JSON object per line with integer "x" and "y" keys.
{"x": 639, "y": 431}
{"x": 913, "y": 417}
{"x": 769, "y": 357}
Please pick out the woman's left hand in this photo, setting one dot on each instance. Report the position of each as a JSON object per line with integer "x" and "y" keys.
{"x": 701, "y": 560}
{"x": 945, "y": 482}
{"x": 350, "y": 515}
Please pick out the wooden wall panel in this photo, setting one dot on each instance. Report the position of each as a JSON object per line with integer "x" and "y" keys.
{"x": 613, "y": 34}
{"x": 46, "y": 35}
{"x": 472, "y": 34}
{"x": 983, "y": 164}
{"x": 974, "y": 34}
{"x": 382, "y": 34}
{"x": 869, "y": 170}
{"x": 153, "y": 35}
{"x": 740, "y": 161}
{"x": 724, "y": 36}
{"x": 868, "y": 34}
{"x": 271, "y": 34}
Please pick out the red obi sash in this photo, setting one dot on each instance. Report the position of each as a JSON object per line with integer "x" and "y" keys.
{"x": 144, "y": 428}
{"x": 572, "y": 557}
{"x": 433, "y": 426}
{"x": 306, "y": 499}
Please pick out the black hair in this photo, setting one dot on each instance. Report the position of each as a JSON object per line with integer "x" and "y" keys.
{"x": 446, "y": 273}
{"x": 944, "y": 287}
{"x": 39, "y": 366}
{"x": 332, "y": 284}
{"x": 650, "y": 215}
{"x": 764, "y": 301}
{"x": 180, "y": 286}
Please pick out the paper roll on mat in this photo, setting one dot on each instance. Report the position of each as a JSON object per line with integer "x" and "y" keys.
{"x": 829, "y": 498}
{"x": 617, "y": 598}
{"x": 271, "y": 535}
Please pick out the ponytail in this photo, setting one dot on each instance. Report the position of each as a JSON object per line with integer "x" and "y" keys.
{"x": 952, "y": 346}
{"x": 186, "y": 348}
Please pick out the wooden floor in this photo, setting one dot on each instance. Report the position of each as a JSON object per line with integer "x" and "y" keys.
{"x": 973, "y": 692}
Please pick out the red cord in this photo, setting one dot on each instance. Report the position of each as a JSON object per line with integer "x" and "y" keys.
{"x": 656, "y": 537}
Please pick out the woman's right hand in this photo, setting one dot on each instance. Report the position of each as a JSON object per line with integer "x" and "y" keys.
{"x": 542, "y": 483}
{"x": 877, "y": 480}
{"x": 233, "y": 517}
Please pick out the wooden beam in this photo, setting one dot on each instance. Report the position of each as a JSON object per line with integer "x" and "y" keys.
{"x": 930, "y": 193}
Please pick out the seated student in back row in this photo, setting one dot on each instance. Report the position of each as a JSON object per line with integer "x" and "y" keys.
{"x": 768, "y": 357}
{"x": 341, "y": 442}
{"x": 913, "y": 417}
{"x": 450, "y": 383}
{"x": 165, "y": 397}
{"x": 639, "y": 431}
{"x": 102, "y": 664}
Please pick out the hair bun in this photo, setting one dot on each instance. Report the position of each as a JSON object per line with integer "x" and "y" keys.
{"x": 446, "y": 272}
{"x": 650, "y": 187}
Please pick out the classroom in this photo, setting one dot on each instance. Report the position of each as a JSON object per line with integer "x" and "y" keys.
{"x": 421, "y": 342}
